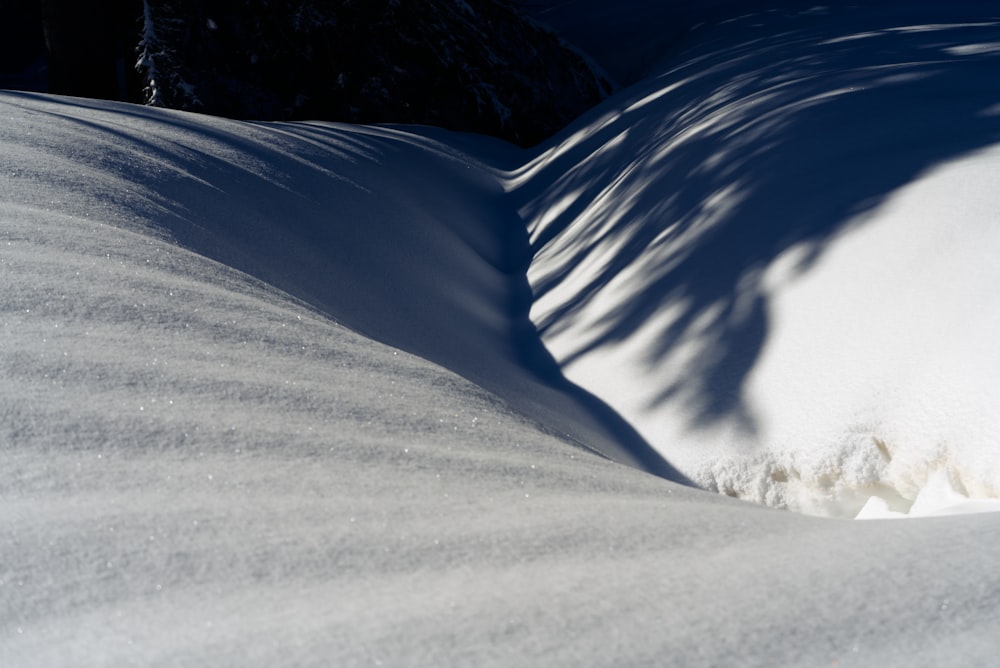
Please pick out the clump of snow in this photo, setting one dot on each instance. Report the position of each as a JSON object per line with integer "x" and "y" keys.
{"x": 940, "y": 495}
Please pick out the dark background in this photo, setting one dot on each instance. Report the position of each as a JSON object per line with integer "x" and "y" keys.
{"x": 479, "y": 67}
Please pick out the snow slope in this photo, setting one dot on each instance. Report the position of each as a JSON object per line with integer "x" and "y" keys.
{"x": 204, "y": 466}
{"x": 775, "y": 255}
{"x": 311, "y": 210}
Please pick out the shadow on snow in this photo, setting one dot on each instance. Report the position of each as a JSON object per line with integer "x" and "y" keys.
{"x": 770, "y": 136}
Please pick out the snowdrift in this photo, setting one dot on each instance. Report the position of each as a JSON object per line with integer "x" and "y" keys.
{"x": 396, "y": 235}
{"x": 774, "y": 255}
{"x": 238, "y": 426}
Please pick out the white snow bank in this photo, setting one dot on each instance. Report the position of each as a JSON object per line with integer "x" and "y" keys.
{"x": 776, "y": 256}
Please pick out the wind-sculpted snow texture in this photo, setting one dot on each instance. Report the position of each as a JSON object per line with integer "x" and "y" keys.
{"x": 395, "y": 235}
{"x": 218, "y": 447}
{"x": 775, "y": 255}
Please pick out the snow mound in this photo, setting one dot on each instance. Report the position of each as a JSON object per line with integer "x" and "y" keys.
{"x": 775, "y": 255}
{"x": 398, "y": 235}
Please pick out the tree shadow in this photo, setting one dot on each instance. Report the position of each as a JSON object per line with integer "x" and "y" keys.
{"x": 767, "y": 135}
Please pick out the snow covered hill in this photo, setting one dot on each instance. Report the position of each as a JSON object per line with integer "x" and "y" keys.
{"x": 236, "y": 417}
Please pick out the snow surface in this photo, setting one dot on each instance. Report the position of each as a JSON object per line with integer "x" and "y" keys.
{"x": 775, "y": 255}
{"x": 238, "y": 426}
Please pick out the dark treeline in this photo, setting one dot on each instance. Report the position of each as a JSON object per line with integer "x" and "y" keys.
{"x": 475, "y": 65}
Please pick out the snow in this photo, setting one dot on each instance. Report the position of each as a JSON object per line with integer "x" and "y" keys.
{"x": 777, "y": 261}
{"x": 272, "y": 394}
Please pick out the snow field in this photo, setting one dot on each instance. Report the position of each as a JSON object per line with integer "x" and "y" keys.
{"x": 203, "y": 465}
